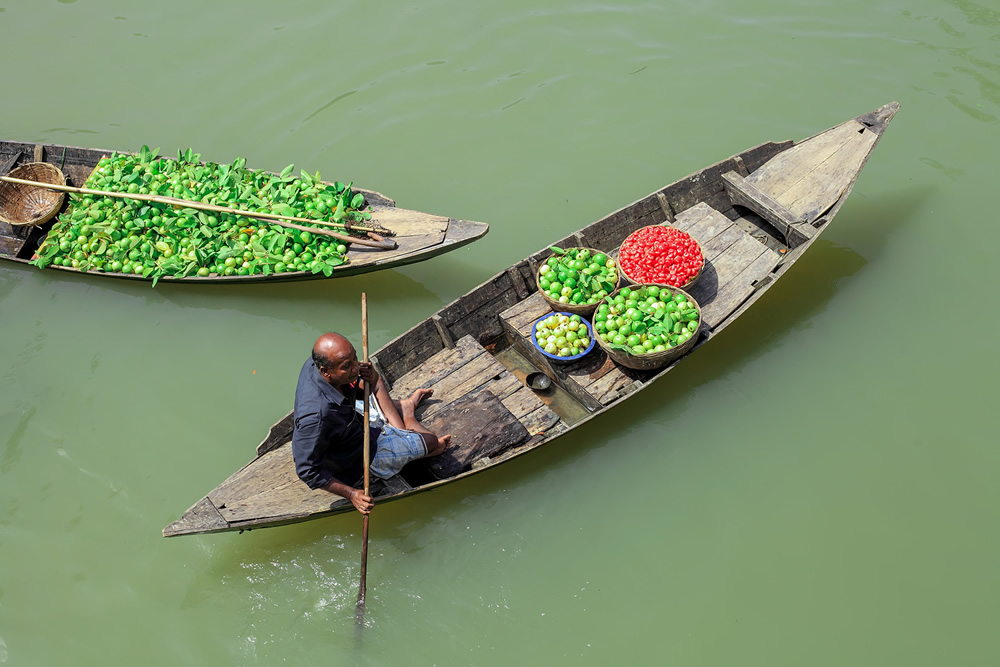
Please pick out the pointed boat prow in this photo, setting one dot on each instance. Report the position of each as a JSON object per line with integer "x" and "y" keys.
{"x": 797, "y": 189}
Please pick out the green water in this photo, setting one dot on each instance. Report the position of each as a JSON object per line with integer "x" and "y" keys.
{"x": 815, "y": 487}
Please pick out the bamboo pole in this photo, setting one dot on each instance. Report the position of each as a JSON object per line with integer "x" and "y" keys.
{"x": 283, "y": 220}
{"x": 360, "y": 608}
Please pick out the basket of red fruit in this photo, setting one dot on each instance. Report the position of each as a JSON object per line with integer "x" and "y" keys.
{"x": 661, "y": 254}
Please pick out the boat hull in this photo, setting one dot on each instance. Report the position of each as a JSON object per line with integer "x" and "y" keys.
{"x": 476, "y": 349}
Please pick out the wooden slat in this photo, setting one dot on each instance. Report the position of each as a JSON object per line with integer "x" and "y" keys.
{"x": 744, "y": 193}
{"x": 782, "y": 172}
{"x": 703, "y": 223}
{"x": 820, "y": 189}
{"x": 463, "y": 380}
{"x": 521, "y": 316}
{"x": 201, "y": 517}
{"x": 542, "y": 420}
{"x": 404, "y": 222}
{"x": 737, "y": 290}
{"x": 480, "y": 426}
{"x": 278, "y": 435}
{"x": 10, "y": 246}
{"x": 402, "y": 354}
{"x": 611, "y": 386}
{"x": 270, "y": 488}
{"x": 436, "y": 367}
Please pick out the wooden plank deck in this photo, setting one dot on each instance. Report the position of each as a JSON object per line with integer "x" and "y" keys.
{"x": 735, "y": 261}
{"x": 465, "y": 373}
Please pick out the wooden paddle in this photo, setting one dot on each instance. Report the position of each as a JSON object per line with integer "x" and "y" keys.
{"x": 359, "y": 612}
{"x": 283, "y": 220}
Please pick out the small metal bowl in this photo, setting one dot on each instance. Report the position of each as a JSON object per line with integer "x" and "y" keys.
{"x": 538, "y": 381}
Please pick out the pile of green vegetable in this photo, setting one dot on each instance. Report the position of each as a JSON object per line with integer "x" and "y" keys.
{"x": 646, "y": 319}
{"x": 152, "y": 239}
{"x": 577, "y": 276}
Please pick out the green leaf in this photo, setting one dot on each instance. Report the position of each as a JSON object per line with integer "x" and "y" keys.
{"x": 557, "y": 250}
{"x": 358, "y": 201}
{"x": 144, "y": 154}
{"x": 338, "y": 215}
{"x": 287, "y": 170}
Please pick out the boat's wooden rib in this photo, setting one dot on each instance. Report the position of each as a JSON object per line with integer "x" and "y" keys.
{"x": 476, "y": 351}
{"x": 418, "y": 235}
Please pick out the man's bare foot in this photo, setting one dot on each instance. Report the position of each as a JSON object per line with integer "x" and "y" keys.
{"x": 442, "y": 444}
{"x": 415, "y": 399}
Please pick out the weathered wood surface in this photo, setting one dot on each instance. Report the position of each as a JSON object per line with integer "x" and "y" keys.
{"x": 399, "y": 356}
{"x": 269, "y": 488}
{"x": 278, "y": 435}
{"x": 808, "y": 178}
{"x": 202, "y": 517}
{"x": 734, "y": 261}
{"x": 742, "y": 192}
{"x": 480, "y": 425}
{"x": 451, "y": 373}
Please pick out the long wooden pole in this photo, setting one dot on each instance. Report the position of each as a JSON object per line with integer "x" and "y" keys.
{"x": 283, "y": 220}
{"x": 360, "y": 609}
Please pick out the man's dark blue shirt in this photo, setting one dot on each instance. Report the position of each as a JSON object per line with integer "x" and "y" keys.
{"x": 328, "y": 440}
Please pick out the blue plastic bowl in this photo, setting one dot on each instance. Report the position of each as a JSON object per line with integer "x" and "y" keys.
{"x": 556, "y": 357}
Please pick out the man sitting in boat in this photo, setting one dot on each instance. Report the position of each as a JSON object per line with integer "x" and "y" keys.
{"x": 328, "y": 440}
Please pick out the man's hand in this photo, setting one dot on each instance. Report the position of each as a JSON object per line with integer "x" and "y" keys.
{"x": 361, "y": 502}
{"x": 369, "y": 375}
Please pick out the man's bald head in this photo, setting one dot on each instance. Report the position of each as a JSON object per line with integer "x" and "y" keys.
{"x": 331, "y": 349}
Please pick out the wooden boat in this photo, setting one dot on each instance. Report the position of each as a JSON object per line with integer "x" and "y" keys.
{"x": 417, "y": 236}
{"x": 754, "y": 215}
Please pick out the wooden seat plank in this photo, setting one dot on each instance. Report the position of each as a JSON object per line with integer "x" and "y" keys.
{"x": 405, "y": 223}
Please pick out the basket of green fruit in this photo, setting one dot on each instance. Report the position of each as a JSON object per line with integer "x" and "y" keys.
{"x": 563, "y": 336}
{"x": 647, "y": 326}
{"x": 576, "y": 279}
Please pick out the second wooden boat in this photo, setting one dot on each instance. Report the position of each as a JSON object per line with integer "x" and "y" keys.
{"x": 416, "y": 236}
{"x": 754, "y": 215}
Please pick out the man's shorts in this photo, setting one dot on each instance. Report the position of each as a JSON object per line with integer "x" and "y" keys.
{"x": 395, "y": 448}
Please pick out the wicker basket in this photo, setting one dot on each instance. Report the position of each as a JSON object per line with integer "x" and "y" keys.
{"x": 653, "y": 360}
{"x": 582, "y": 309}
{"x": 690, "y": 283}
{"x": 27, "y": 205}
